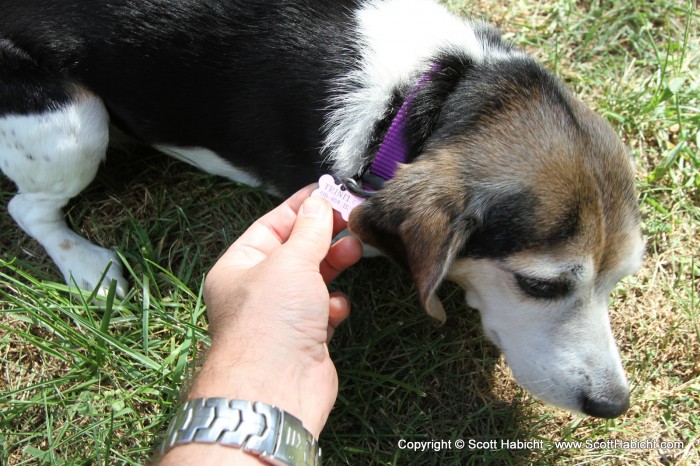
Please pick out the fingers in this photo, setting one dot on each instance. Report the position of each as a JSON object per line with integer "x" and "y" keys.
{"x": 311, "y": 235}
{"x": 339, "y": 310}
{"x": 344, "y": 253}
{"x": 272, "y": 230}
{"x": 339, "y": 224}
{"x": 278, "y": 222}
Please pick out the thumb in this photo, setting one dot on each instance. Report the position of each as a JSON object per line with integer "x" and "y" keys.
{"x": 311, "y": 235}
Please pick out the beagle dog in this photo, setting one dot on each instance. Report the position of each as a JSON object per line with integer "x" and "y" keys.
{"x": 505, "y": 183}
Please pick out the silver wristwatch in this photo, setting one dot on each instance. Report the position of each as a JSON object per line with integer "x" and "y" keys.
{"x": 275, "y": 436}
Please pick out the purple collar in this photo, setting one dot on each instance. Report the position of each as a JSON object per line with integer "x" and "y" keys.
{"x": 393, "y": 149}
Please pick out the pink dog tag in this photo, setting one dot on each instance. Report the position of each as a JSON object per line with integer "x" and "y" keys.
{"x": 341, "y": 200}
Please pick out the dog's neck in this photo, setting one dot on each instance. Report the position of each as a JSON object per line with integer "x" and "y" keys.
{"x": 395, "y": 144}
{"x": 401, "y": 44}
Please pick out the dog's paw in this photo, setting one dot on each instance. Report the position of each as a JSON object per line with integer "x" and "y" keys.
{"x": 90, "y": 267}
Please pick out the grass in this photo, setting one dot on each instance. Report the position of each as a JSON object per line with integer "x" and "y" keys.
{"x": 95, "y": 383}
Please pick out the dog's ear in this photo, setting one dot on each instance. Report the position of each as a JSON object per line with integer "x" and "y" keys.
{"x": 420, "y": 228}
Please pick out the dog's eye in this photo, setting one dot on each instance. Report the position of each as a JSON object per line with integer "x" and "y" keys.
{"x": 542, "y": 289}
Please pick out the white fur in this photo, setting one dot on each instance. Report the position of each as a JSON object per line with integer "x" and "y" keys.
{"x": 398, "y": 39}
{"x": 52, "y": 157}
{"x": 210, "y": 162}
{"x": 632, "y": 252}
{"x": 559, "y": 350}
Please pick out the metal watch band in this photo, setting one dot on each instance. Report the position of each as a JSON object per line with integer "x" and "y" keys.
{"x": 258, "y": 428}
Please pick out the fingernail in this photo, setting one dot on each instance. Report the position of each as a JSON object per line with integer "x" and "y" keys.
{"x": 313, "y": 207}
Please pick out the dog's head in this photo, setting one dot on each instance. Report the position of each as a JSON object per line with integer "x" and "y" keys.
{"x": 526, "y": 199}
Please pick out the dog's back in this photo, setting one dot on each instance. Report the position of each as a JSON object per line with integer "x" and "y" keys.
{"x": 179, "y": 73}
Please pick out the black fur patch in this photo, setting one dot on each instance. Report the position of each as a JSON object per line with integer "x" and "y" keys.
{"x": 250, "y": 82}
{"x": 510, "y": 225}
{"x": 491, "y": 88}
{"x": 507, "y": 226}
{"x": 25, "y": 86}
{"x": 428, "y": 103}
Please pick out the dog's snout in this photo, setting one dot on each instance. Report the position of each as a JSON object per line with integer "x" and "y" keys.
{"x": 607, "y": 407}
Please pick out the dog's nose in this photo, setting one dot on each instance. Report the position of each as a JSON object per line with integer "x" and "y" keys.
{"x": 609, "y": 407}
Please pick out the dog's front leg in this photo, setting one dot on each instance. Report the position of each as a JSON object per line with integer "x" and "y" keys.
{"x": 52, "y": 156}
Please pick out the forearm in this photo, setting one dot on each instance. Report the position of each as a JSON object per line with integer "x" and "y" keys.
{"x": 204, "y": 455}
{"x": 270, "y": 316}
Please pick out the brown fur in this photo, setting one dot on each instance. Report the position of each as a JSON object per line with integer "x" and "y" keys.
{"x": 576, "y": 168}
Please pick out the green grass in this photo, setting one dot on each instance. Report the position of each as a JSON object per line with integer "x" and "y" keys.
{"x": 86, "y": 382}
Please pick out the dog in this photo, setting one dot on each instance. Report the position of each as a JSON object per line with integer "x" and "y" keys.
{"x": 505, "y": 183}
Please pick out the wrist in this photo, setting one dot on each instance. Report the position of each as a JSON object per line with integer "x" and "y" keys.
{"x": 307, "y": 392}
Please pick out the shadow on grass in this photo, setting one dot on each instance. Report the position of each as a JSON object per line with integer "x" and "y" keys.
{"x": 401, "y": 377}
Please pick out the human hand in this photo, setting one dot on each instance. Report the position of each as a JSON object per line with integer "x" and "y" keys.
{"x": 271, "y": 315}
